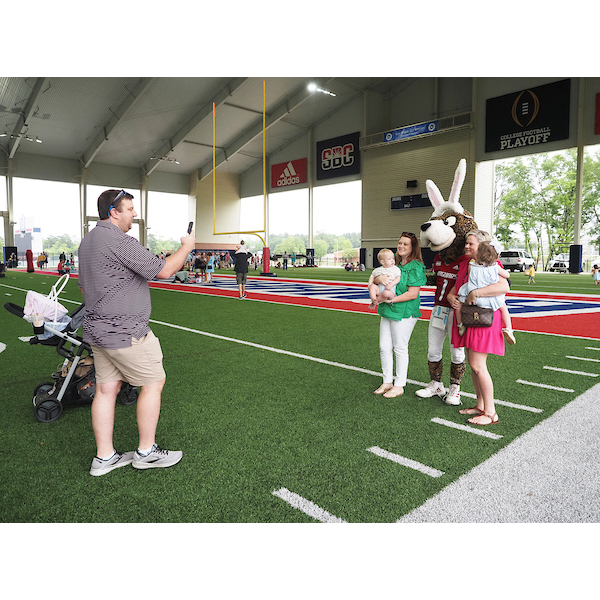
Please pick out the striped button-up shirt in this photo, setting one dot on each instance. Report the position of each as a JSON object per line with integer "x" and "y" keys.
{"x": 114, "y": 270}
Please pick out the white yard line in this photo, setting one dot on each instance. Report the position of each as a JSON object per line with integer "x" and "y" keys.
{"x": 545, "y": 386}
{"x": 481, "y": 432}
{"x": 597, "y": 360}
{"x": 571, "y": 372}
{"x": 269, "y": 348}
{"x": 505, "y": 403}
{"x": 325, "y": 362}
{"x": 306, "y": 506}
{"x": 407, "y": 462}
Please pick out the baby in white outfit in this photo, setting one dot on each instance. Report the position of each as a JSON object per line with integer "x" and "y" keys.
{"x": 390, "y": 273}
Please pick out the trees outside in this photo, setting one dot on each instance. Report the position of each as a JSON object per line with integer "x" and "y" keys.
{"x": 158, "y": 244}
{"x": 324, "y": 243}
{"x": 535, "y": 200}
{"x": 55, "y": 244}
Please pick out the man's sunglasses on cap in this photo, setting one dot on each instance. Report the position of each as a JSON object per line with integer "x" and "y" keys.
{"x": 118, "y": 197}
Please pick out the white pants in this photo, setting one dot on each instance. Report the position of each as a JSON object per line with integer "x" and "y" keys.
{"x": 436, "y": 342}
{"x": 393, "y": 340}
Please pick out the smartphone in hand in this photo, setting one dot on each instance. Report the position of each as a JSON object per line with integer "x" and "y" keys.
{"x": 190, "y": 226}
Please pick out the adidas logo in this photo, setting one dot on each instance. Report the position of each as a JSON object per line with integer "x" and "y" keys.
{"x": 289, "y": 176}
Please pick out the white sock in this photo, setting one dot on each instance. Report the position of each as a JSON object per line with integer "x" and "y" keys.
{"x": 109, "y": 456}
{"x": 145, "y": 452}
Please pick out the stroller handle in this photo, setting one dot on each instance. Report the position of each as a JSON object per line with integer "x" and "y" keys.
{"x": 14, "y": 309}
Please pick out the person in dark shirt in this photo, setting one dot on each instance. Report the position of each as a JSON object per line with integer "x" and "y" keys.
{"x": 242, "y": 256}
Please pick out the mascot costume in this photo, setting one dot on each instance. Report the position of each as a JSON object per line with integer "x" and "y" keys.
{"x": 445, "y": 233}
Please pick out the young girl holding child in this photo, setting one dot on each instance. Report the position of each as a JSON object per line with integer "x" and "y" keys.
{"x": 483, "y": 271}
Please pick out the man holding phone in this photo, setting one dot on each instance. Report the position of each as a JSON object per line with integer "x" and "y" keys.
{"x": 114, "y": 271}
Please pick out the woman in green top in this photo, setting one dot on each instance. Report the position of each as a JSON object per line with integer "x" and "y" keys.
{"x": 399, "y": 316}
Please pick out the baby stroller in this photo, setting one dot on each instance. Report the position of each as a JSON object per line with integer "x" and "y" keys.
{"x": 75, "y": 381}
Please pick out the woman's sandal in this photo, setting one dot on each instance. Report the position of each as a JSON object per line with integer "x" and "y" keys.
{"x": 383, "y": 388}
{"x": 490, "y": 417}
{"x": 471, "y": 411}
{"x": 394, "y": 392}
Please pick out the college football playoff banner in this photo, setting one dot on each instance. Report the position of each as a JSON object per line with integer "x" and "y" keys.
{"x": 528, "y": 118}
{"x": 338, "y": 156}
{"x": 289, "y": 173}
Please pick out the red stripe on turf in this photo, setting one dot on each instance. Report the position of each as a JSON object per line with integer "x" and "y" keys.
{"x": 583, "y": 325}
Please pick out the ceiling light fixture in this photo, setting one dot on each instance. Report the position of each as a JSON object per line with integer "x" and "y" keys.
{"x": 15, "y": 136}
{"x": 312, "y": 87}
{"x": 173, "y": 160}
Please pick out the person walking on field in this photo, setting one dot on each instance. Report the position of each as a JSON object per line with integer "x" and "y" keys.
{"x": 114, "y": 271}
{"x": 242, "y": 256}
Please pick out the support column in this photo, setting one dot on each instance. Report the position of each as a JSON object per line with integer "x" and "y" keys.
{"x": 309, "y": 172}
{"x": 575, "y": 254}
{"x": 83, "y": 225}
{"x": 10, "y": 221}
{"x": 143, "y": 220}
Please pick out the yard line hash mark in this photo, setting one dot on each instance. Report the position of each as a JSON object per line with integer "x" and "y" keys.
{"x": 481, "y": 432}
{"x": 506, "y": 403}
{"x": 571, "y": 372}
{"x": 586, "y": 359}
{"x": 407, "y": 462}
{"x": 545, "y": 386}
{"x": 306, "y": 506}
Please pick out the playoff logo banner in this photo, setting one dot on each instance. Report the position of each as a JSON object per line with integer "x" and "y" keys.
{"x": 338, "y": 156}
{"x": 529, "y": 117}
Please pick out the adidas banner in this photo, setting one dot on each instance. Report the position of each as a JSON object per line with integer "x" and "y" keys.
{"x": 338, "y": 157}
{"x": 289, "y": 173}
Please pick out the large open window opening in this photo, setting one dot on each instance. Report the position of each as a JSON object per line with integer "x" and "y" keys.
{"x": 534, "y": 206}
{"x": 47, "y": 217}
{"x": 336, "y": 222}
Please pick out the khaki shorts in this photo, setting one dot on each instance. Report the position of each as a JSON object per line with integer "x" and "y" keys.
{"x": 139, "y": 364}
{"x": 241, "y": 278}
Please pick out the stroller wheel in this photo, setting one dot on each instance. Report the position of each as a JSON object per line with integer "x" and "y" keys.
{"x": 48, "y": 409}
{"x": 128, "y": 394}
{"x": 42, "y": 389}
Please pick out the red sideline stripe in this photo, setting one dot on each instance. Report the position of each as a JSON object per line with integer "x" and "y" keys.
{"x": 346, "y": 305}
{"x": 585, "y": 325}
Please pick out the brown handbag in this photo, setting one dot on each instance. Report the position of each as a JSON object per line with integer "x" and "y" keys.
{"x": 476, "y": 316}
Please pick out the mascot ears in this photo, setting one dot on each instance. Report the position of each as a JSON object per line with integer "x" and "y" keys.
{"x": 453, "y": 204}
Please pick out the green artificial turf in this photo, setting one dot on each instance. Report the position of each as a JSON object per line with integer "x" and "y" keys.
{"x": 251, "y": 420}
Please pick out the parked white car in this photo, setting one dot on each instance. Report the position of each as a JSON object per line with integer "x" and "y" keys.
{"x": 516, "y": 260}
{"x": 559, "y": 264}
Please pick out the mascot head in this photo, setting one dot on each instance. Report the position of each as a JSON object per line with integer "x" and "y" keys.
{"x": 446, "y": 230}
